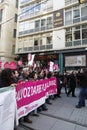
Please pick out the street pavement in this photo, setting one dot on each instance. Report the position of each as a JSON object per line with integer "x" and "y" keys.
{"x": 61, "y": 115}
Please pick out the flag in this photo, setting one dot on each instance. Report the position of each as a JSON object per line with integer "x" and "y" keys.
{"x": 51, "y": 66}
{"x": 31, "y": 59}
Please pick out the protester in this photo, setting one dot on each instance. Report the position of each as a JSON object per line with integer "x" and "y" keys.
{"x": 10, "y": 77}
{"x": 72, "y": 84}
{"x": 41, "y": 76}
{"x": 34, "y": 78}
{"x": 6, "y": 75}
{"x": 65, "y": 81}
{"x": 82, "y": 76}
{"x": 25, "y": 77}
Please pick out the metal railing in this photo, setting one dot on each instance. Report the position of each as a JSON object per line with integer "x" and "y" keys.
{"x": 36, "y": 30}
{"x": 35, "y": 48}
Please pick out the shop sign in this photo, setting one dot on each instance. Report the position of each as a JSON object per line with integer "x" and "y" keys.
{"x": 46, "y": 57}
{"x": 79, "y": 60}
{"x": 58, "y": 18}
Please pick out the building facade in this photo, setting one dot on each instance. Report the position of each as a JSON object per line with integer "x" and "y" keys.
{"x": 8, "y": 24}
{"x": 52, "y": 29}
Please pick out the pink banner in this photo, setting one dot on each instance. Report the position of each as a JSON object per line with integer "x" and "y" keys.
{"x": 31, "y": 94}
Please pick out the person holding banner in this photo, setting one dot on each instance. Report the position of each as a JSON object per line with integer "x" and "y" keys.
{"x": 25, "y": 77}
{"x": 41, "y": 76}
{"x": 35, "y": 78}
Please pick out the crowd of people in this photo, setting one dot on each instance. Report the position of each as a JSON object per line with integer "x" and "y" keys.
{"x": 69, "y": 81}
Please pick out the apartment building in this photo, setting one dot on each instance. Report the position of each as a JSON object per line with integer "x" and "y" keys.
{"x": 75, "y": 34}
{"x": 8, "y": 24}
{"x": 53, "y": 30}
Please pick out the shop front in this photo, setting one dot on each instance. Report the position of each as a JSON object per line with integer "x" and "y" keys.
{"x": 42, "y": 59}
{"x": 75, "y": 61}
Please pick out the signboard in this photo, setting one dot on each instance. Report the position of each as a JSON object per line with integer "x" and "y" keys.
{"x": 58, "y": 18}
{"x": 46, "y": 57}
{"x": 79, "y": 60}
{"x": 32, "y": 94}
{"x": 7, "y": 108}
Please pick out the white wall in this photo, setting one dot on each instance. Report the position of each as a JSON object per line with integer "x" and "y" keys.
{"x": 59, "y": 39}
{"x": 58, "y": 4}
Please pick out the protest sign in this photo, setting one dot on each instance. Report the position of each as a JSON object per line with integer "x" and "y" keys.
{"x": 7, "y": 108}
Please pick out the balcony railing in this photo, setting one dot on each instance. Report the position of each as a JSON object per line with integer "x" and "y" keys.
{"x": 77, "y": 43}
{"x": 84, "y": 42}
{"x": 68, "y": 44}
{"x": 67, "y": 2}
{"x": 35, "y": 48}
{"x": 34, "y": 14}
{"x": 25, "y": 1}
{"x": 36, "y": 30}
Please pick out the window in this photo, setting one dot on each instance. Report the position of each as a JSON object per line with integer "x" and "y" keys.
{"x": 84, "y": 31}
{"x": 76, "y": 12}
{"x": 68, "y": 17}
{"x": 41, "y": 42}
{"x": 1, "y": 13}
{"x": 68, "y": 2}
{"x": 26, "y": 25}
{"x": 68, "y": 35}
{"x": 44, "y": 6}
{"x": 49, "y": 4}
{"x": 84, "y": 13}
{"x": 24, "y": 1}
{"x": 31, "y": 42}
{"x": 37, "y": 7}
{"x": 36, "y": 42}
{"x": 14, "y": 33}
{"x": 49, "y": 21}
{"x": 37, "y": 24}
{"x": 49, "y": 39}
{"x": 43, "y": 22}
{"x": 25, "y": 12}
{"x": 16, "y": 3}
{"x": 21, "y": 27}
{"x": 31, "y": 9}
{"x": 16, "y": 18}
{"x": 0, "y": 30}
{"x": 13, "y": 49}
{"x": 76, "y": 33}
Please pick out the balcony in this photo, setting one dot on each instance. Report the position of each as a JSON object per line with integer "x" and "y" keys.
{"x": 35, "y": 48}
{"x": 44, "y": 28}
{"x": 25, "y": 1}
{"x": 83, "y": 18}
{"x": 68, "y": 44}
{"x": 35, "y": 13}
{"x": 77, "y": 43}
{"x": 68, "y": 2}
{"x": 84, "y": 42}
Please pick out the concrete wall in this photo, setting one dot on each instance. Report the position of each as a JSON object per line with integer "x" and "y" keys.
{"x": 7, "y": 40}
{"x": 58, "y": 4}
{"x": 59, "y": 39}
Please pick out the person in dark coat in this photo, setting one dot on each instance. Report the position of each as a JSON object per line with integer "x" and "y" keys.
{"x": 83, "y": 88}
{"x": 72, "y": 85}
{"x": 5, "y": 77}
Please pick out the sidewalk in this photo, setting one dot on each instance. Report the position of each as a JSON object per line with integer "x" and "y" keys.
{"x": 61, "y": 115}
